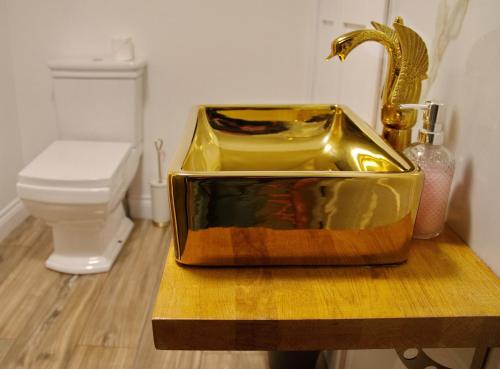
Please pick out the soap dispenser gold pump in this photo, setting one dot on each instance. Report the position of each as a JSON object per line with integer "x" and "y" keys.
{"x": 408, "y": 63}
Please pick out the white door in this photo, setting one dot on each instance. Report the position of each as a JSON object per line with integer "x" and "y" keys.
{"x": 356, "y": 81}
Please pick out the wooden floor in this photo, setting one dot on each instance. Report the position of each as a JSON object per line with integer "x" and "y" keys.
{"x": 54, "y": 320}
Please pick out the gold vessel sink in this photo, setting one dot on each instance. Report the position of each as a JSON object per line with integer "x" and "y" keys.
{"x": 290, "y": 185}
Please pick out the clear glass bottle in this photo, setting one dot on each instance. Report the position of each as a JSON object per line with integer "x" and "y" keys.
{"x": 438, "y": 166}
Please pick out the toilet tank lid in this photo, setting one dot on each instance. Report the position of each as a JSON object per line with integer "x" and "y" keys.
{"x": 96, "y": 67}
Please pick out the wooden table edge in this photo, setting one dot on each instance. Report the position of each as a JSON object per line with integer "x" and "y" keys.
{"x": 322, "y": 334}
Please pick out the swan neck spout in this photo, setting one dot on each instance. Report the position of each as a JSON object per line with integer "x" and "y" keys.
{"x": 407, "y": 67}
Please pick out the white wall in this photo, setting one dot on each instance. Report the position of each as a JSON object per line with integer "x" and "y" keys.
{"x": 198, "y": 51}
{"x": 463, "y": 38}
{"x": 10, "y": 142}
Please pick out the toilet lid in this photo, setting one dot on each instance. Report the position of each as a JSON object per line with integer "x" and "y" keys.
{"x": 80, "y": 164}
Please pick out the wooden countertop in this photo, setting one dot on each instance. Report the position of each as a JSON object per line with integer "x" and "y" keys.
{"x": 444, "y": 296}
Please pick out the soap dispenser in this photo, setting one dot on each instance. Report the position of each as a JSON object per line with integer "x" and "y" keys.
{"x": 438, "y": 166}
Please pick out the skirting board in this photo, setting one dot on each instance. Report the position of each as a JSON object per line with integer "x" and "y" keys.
{"x": 140, "y": 208}
{"x": 11, "y": 216}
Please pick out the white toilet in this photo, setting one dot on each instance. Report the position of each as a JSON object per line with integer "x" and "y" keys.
{"x": 78, "y": 183}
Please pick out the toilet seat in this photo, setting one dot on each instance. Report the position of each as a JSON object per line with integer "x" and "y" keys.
{"x": 77, "y": 172}
{"x": 77, "y": 187}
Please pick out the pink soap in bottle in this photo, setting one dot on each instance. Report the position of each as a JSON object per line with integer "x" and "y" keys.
{"x": 438, "y": 166}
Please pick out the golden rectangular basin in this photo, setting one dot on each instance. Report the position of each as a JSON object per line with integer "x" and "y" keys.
{"x": 290, "y": 185}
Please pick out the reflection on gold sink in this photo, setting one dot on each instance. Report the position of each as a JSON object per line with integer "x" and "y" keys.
{"x": 290, "y": 185}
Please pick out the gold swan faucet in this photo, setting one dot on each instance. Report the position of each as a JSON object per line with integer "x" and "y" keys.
{"x": 407, "y": 67}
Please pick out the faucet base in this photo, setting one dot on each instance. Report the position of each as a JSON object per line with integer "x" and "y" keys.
{"x": 400, "y": 139}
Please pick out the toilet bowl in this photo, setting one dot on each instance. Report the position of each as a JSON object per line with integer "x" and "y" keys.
{"x": 77, "y": 185}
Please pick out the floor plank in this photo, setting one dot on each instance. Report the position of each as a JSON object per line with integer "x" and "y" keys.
{"x": 148, "y": 357}
{"x": 51, "y": 335}
{"x": 21, "y": 291}
{"x": 55, "y": 320}
{"x": 17, "y": 245}
{"x": 29, "y": 233}
{"x": 232, "y": 360}
{"x": 10, "y": 256}
{"x": 4, "y": 347}
{"x": 92, "y": 357}
{"x": 123, "y": 305}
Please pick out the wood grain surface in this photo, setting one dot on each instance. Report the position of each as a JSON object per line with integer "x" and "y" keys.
{"x": 60, "y": 321}
{"x": 444, "y": 296}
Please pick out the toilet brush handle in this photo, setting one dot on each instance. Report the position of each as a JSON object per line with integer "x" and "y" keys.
{"x": 159, "y": 146}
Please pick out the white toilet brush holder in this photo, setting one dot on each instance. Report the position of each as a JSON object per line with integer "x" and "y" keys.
{"x": 159, "y": 201}
{"x": 159, "y": 191}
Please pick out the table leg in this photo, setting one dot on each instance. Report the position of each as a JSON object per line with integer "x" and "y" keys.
{"x": 292, "y": 359}
{"x": 480, "y": 358}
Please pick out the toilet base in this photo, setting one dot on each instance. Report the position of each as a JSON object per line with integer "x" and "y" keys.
{"x": 89, "y": 248}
